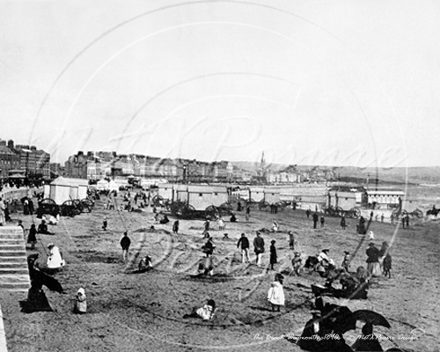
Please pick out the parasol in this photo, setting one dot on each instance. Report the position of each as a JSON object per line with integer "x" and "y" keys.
{"x": 368, "y": 316}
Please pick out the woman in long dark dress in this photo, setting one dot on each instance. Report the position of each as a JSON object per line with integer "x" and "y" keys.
{"x": 32, "y": 236}
{"x": 273, "y": 254}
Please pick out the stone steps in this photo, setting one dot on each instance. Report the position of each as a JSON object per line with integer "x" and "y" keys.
{"x": 14, "y": 273}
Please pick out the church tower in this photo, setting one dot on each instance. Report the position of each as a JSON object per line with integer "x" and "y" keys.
{"x": 262, "y": 171}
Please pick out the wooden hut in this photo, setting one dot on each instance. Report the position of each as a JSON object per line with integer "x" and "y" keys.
{"x": 256, "y": 193}
{"x": 200, "y": 196}
{"x": 165, "y": 190}
{"x": 62, "y": 189}
{"x": 271, "y": 195}
{"x": 385, "y": 198}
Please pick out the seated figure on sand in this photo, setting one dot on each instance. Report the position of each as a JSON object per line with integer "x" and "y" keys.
{"x": 145, "y": 264}
{"x": 206, "y": 266}
{"x": 206, "y": 312}
{"x": 55, "y": 261}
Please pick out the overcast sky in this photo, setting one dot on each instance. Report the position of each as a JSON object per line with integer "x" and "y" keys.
{"x": 307, "y": 82}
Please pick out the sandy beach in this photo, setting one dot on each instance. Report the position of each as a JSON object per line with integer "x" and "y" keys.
{"x": 128, "y": 311}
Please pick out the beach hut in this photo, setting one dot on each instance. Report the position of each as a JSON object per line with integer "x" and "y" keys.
{"x": 113, "y": 186}
{"x": 102, "y": 185}
{"x": 165, "y": 190}
{"x": 256, "y": 193}
{"x": 271, "y": 195}
{"x": 180, "y": 193}
{"x": 385, "y": 198}
{"x": 200, "y": 197}
{"x": 63, "y": 189}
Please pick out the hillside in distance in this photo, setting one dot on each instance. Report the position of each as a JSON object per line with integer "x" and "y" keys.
{"x": 415, "y": 175}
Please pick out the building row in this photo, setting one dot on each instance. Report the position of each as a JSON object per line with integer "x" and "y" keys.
{"x": 23, "y": 159}
{"x": 96, "y": 165}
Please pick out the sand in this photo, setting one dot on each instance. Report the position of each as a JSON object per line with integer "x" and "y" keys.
{"x": 128, "y": 311}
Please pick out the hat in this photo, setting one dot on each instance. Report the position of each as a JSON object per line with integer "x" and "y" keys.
{"x": 371, "y": 244}
{"x": 279, "y": 276}
{"x": 297, "y": 254}
{"x": 81, "y": 291}
{"x": 346, "y": 252}
{"x": 50, "y": 245}
{"x": 273, "y": 241}
{"x": 325, "y": 250}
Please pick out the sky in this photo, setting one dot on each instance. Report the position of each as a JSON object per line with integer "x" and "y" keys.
{"x": 337, "y": 83}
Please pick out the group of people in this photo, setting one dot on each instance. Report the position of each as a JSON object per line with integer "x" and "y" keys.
{"x": 379, "y": 261}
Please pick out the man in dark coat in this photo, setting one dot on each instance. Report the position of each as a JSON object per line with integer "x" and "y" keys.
{"x": 125, "y": 245}
{"x": 243, "y": 244}
{"x": 258, "y": 248}
{"x": 373, "y": 265}
{"x": 315, "y": 218}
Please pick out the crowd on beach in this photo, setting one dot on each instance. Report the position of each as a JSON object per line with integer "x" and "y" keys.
{"x": 338, "y": 280}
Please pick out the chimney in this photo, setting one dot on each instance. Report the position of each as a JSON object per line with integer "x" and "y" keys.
{"x": 11, "y": 144}
{"x": 80, "y": 153}
{"x": 33, "y": 148}
{"x": 2, "y": 143}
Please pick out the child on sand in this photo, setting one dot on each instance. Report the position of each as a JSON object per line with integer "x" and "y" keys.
{"x": 80, "y": 303}
{"x": 275, "y": 295}
{"x": 206, "y": 312}
{"x": 145, "y": 264}
{"x": 297, "y": 263}
{"x": 346, "y": 261}
{"x": 387, "y": 265}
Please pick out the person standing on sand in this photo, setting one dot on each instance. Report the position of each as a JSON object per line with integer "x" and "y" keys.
{"x": 208, "y": 248}
{"x": 275, "y": 295}
{"x": 2, "y": 212}
{"x": 403, "y": 222}
{"x": 176, "y": 227}
{"x": 346, "y": 261}
{"x": 343, "y": 222}
{"x": 206, "y": 225}
{"x": 308, "y": 211}
{"x": 407, "y": 220}
{"x": 322, "y": 220}
{"x": 125, "y": 245}
{"x": 382, "y": 217}
{"x": 273, "y": 254}
{"x": 373, "y": 266}
{"x": 258, "y": 248}
{"x": 315, "y": 218}
{"x": 383, "y": 252}
{"x": 243, "y": 243}
{"x": 248, "y": 213}
{"x": 291, "y": 240}
{"x": 387, "y": 265}
{"x": 297, "y": 263}
{"x": 104, "y": 224}
{"x": 221, "y": 224}
{"x": 32, "y": 236}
